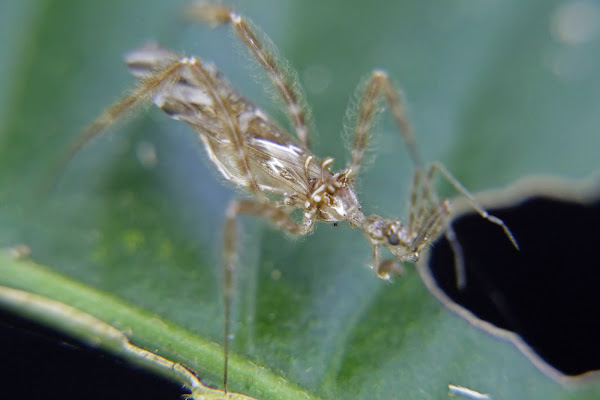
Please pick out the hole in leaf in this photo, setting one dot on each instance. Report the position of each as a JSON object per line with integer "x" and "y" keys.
{"x": 39, "y": 362}
{"x": 548, "y": 293}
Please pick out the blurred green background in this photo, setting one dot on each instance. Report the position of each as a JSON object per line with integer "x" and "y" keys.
{"x": 496, "y": 90}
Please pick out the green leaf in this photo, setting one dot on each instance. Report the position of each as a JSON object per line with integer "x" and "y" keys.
{"x": 496, "y": 90}
{"x": 61, "y": 303}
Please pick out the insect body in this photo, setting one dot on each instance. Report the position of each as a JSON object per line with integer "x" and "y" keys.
{"x": 254, "y": 152}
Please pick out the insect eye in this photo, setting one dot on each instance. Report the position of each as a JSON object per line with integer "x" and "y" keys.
{"x": 393, "y": 239}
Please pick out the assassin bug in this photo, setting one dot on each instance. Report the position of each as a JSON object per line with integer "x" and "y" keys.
{"x": 278, "y": 169}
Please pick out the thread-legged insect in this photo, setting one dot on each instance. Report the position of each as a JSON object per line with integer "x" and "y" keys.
{"x": 278, "y": 169}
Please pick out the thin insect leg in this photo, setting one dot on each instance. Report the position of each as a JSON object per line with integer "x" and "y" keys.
{"x": 424, "y": 204}
{"x": 230, "y": 123}
{"x": 267, "y": 211}
{"x": 119, "y": 110}
{"x": 436, "y": 166}
{"x": 379, "y": 84}
{"x": 450, "y": 234}
{"x": 432, "y": 225}
{"x": 430, "y": 216}
{"x": 376, "y": 257}
{"x": 416, "y": 199}
{"x": 460, "y": 268}
{"x": 263, "y": 51}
